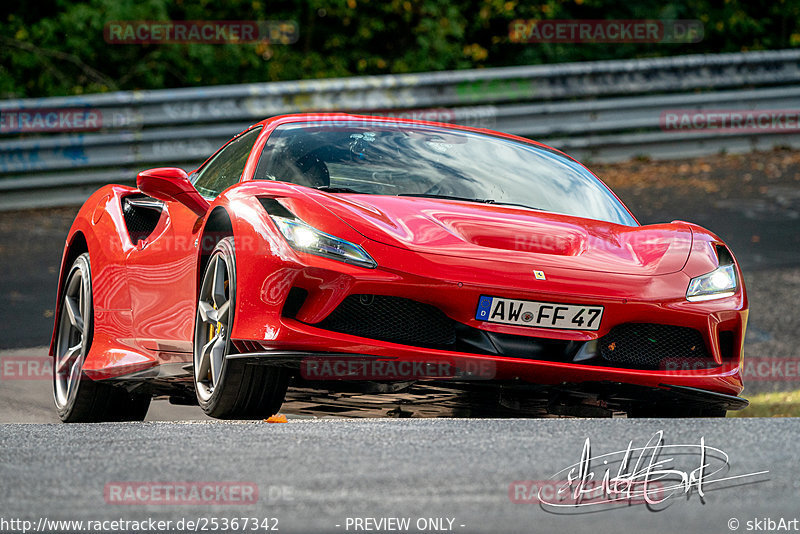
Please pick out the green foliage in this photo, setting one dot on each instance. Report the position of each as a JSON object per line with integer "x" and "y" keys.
{"x": 56, "y": 47}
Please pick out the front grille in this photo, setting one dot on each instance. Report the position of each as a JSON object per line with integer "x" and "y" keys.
{"x": 393, "y": 319}
{"x": 655, "y": 346}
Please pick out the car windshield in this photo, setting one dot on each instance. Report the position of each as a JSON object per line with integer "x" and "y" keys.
{"x": 413, "y": 160}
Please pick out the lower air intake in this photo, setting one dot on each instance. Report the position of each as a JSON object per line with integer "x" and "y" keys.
{"x": 393, "y": 319}
{"x": 655, "y": 346}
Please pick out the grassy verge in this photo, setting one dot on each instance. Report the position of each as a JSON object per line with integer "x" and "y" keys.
{"x": 779, "y": 404}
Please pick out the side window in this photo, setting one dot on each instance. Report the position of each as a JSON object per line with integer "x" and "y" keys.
{"x": 227, "y": 166}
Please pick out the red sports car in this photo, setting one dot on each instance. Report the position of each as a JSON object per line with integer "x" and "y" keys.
{"x": 341, "y": 251}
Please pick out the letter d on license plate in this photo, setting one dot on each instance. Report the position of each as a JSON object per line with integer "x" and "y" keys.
{"x": 539, "y": 314}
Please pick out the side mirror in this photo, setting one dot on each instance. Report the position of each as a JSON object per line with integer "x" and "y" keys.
{"x": 172, "y": 185}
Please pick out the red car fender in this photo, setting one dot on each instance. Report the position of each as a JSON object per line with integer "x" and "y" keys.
{"x": 253, "y": 241}
{"x": 101, "y": 224}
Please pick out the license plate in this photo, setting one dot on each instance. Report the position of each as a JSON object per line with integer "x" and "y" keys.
{"x": 539, "y": 314}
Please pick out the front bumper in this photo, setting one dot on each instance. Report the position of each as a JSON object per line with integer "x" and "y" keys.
{"x": 594, "y": 398}
{"x": 264, "y": 323}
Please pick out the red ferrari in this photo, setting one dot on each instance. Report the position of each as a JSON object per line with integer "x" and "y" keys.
{"x": 338, "y": 251}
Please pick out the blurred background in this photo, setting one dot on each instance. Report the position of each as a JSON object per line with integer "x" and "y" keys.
{"x": 57, "y": 47}
{"x": 645, "y": 111}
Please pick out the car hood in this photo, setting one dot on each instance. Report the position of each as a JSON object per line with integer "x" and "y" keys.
{"x": 509, "y": 234}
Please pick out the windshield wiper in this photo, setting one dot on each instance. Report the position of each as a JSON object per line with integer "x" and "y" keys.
{"x": 446, "y": 197}
{"x": 465, "y": 199}
{"x": 332, "y": 189}
{"x": 501, "y": 203}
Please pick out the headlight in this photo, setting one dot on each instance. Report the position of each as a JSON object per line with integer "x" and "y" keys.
{"x": 719, "y": 283}
{"x": 306, "y": 238}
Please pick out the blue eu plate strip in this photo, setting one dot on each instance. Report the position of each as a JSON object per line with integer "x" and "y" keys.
{"x": 484, "y": 307}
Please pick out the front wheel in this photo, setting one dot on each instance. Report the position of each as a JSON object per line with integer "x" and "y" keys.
{"x": 79, "y": 399}
{"x": 228, "y": 389}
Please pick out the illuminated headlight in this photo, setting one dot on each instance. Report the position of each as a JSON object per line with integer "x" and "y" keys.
{"x": 305, "y": 238}
{"x": 719, "y": 283}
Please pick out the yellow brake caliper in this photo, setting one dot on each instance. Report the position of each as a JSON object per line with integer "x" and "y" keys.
{"x": 213, "y": 330}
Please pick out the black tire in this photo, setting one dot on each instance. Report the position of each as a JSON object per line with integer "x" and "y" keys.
{"x": 229, "y": 389}
{"x": 79, "y": 399}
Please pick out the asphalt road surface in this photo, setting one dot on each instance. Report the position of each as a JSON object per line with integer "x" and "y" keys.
{"x": 320, "y": 476}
